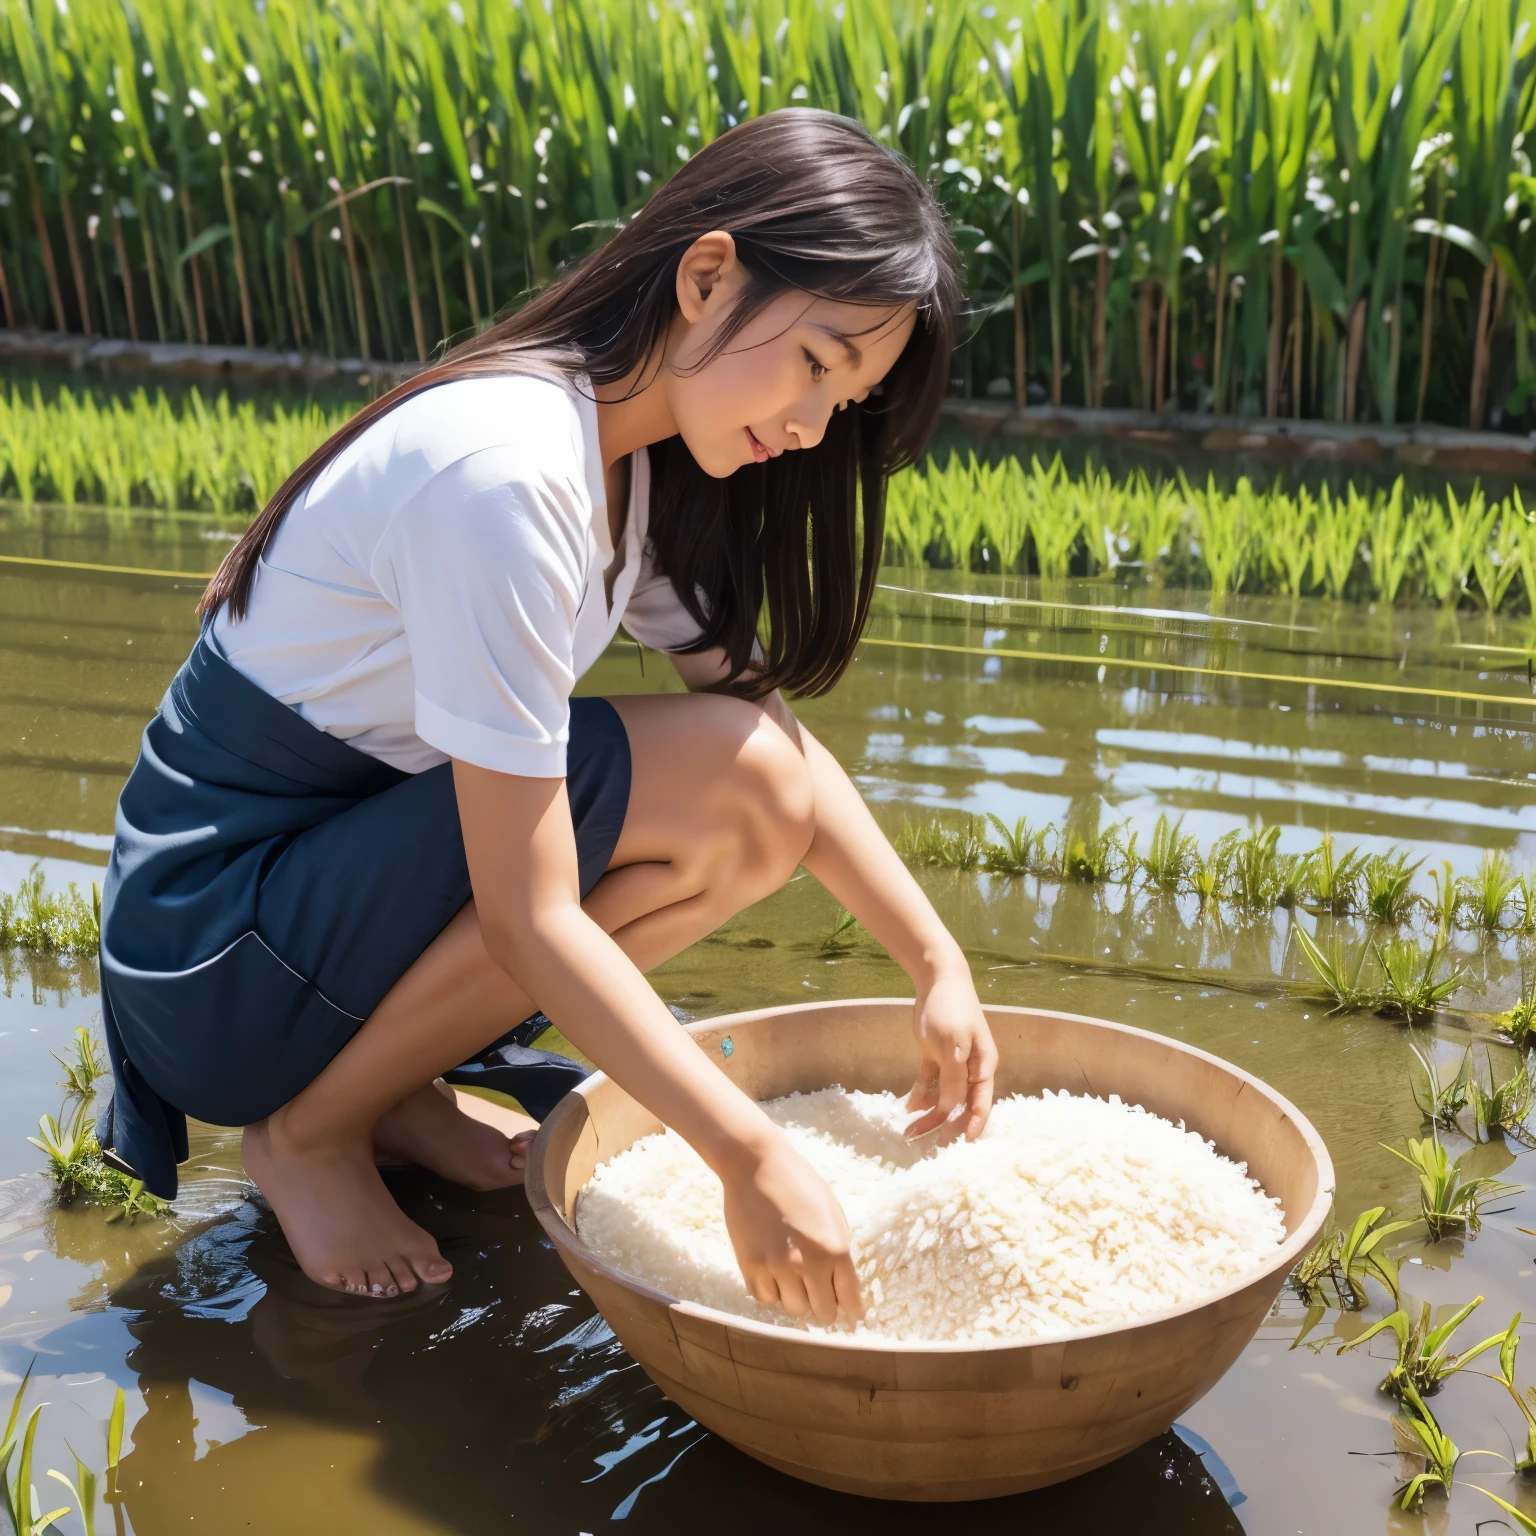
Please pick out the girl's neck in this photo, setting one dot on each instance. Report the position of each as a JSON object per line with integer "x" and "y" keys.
{"x": 623, "y": 425}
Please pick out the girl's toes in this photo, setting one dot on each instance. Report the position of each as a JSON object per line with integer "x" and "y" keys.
{"x": 405, "y": 1276}
{"x": 352, "y": 1281}
{"x": 381, "y": 1282}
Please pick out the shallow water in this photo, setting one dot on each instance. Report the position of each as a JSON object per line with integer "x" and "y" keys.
{"x": 504, "y": 1402}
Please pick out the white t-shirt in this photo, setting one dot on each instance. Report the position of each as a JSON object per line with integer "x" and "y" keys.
{"x": 438, "y": 588}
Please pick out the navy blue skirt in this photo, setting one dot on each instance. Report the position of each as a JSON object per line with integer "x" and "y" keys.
{"x": 268, "y": 885}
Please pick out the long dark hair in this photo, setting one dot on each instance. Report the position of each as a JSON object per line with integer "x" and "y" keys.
{"x": 814, "y": 204}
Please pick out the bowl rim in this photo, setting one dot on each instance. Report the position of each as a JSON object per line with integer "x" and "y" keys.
{"x": 564, "y": 1236}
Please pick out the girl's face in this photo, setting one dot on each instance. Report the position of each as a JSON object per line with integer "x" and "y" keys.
{"x": 779, "y": 379}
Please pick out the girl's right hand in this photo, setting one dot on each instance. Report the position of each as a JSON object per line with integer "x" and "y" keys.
{"x": 790, "y": 1235}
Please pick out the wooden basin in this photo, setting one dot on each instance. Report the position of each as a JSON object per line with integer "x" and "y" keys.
{"x": 939, "y": 1421}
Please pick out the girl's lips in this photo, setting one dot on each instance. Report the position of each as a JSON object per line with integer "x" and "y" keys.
{"x": 759, "y": 452}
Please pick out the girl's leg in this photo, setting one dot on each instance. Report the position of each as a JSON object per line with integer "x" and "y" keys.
{"x": 720, "y": 814}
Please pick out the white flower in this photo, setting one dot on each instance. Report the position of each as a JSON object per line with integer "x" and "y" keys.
{"x": 92, "y": 224}
{"x": 252, "y": 75}
{"x": 424, "y": 148}
{"x": 254, "y": 157}
{"x": 308, "y": 129}
{"x": 476, "y": 172}
{"x": 197, "y": 98}
{"x": 613, "y": 134}
{"x": 629, "y": 97}
{"x": 207, "y": 54}
{"x": 213, "y": 138}
{"x": 10, "y": 94}
{"x": 335, "y": 232}
{"x": 643, "y": 177}
{"x": 117, "y": 115}
{"x": 456, "y": 11}
{"x": 682, "y": 151}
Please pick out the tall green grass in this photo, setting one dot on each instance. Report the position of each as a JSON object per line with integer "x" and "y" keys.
{"x": 1306, "y": 207}
{"x": 212, "y": 454}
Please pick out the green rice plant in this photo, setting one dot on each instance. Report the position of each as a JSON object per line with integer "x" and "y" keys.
{"x": 18, "y": 1495}
{"x": 1505, "y": 1106}
{"x": 1523, "y": 1522}
{"x": 1508, "y": 1347}
{"x": 1341, "y": 983}
{"x": 1348, "y": 1260}
{"x": 1019, "y": 850}
{"x": 1448, "y": 1203}
{"x": 1171, "y": 857}
{"x": 1208, "y": 871}
{"x": 1334, "y": 883}
{"x": 1441, "y": 1103}
{"x": 1424, "y": 1354}
{"x": 1413, "y": 986}
{"x": 839, "y": 938}
{"x": 78, "y": 1170}
{"x": 1525, "y": 889}
{"x": 1387, "y": 882}
{"x": 1253, "y": 878}
{"x": 931, "y": 842}
{"x": 1089, "y": 852}
{"x": 1519, "y": 1023}
{"x": 1448, "y": 896}
{"x": 1419, "y": 1434}
{"x": 1487, "y": 894}
{"x": 82, "y": 1073}
{"x": 34, "y": 918}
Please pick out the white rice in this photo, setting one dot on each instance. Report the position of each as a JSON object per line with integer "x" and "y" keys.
{"x": 1067, "y": 1212}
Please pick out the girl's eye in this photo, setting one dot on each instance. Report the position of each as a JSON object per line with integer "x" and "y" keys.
{"x": 817, "y": 370}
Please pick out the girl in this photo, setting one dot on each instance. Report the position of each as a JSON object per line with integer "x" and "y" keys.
{"x": 369, "y": 829}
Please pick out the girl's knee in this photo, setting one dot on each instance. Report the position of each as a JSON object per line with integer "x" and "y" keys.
{"x": 775, "y": 799}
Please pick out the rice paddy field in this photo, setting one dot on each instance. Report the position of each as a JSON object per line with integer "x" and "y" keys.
{"x": 1263, "y": 206}
{"x": 1246, "y": 762}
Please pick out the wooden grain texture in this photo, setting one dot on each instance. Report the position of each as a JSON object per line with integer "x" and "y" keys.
{"x": 940, "y": 1422}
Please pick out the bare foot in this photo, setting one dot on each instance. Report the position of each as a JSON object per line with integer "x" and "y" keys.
{"x": 463, "y": 1138}
{"x": 344, "y": 1229}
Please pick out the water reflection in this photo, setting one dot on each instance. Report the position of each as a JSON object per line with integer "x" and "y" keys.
{"x": 502, "y": 1398}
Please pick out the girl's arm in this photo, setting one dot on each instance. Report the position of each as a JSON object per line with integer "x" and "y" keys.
{"x": 789, "y": 1233}
{"x": 851, "y": 856}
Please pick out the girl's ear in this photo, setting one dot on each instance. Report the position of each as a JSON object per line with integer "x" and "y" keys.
{"x": 709, "y": 262}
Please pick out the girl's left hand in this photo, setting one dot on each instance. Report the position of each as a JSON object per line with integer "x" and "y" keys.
{"x": 957, "y": 1059}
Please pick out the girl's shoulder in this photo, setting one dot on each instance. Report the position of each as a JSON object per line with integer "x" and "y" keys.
{"x": 450, "y": 421}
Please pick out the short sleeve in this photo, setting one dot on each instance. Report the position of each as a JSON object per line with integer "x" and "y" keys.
{"x": 654, "y": 614}
{"x": 486, "y": 565}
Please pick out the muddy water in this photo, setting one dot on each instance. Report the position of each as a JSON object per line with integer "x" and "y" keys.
{"x": 257, "y": 1402}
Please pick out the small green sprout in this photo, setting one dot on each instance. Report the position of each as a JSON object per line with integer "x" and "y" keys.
{"x": 1442, "y": 1102}
{"x": 1342, "y": 985}
{"x": 1388, "y": 885}
{"x": 1348, "y": 1259}
{"x": 1334, "y": 883}
{"x": 87, "y": 1068}
{"x": 838, "y": 939}
{"x": 1486, "y": 894}
{"x": 1414, "y": 987}
{"x": 1505, "y": 1106}
{"x": 1020, "y": 851}
{"x": 1169, "y": 861}
{"x": 1424, "y": 1355}
{"x": 1447, "y": 1202}
{"x": 1418, "y": 1434}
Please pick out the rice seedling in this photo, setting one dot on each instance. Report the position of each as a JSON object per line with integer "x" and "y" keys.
{"x": 76, "y": 1166}
{"x": 1504, "y": 1106}
{"x": 1508, "y": 1347}
{"x": 1088, "y": 852}
{"x": 839, "y": 938}
{"x": 1253, "y": 878}
{"x": 1348, "y": 1260}
{"x": 1441, "y": 1102}
{"x": 1341, "y": 983}
{"x": 1448, "y": 896}
{"x": 1486, "y": 895}
{"x": 1523, "y": 1522}
{"x": 1388, "y": 885}
{"x": 1424, "y": 1354}
{"x": 1448, "y": 1203}
{"x": 1519, "y": 1023}
{"x": 18, "y": 1495}
{"x": 1418, "y": 1434}
{"x": 1019, "y": 850}
{"x": 1170, "y": 856}
{"x": 1333, "y": 883}
{"x": 66, "y": 922}
{"x": 82, "y": 1073}
{"x": 1208, "y": 871}
{"x": 931, "y": 842}
{"x": 1413, "y": 985}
